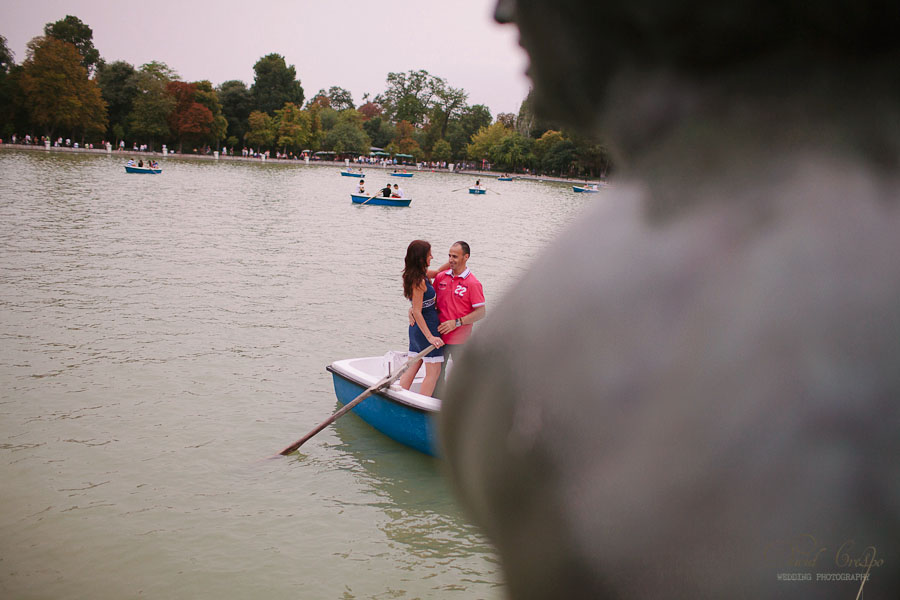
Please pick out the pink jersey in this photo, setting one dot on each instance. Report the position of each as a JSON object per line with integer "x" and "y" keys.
{"x": 457, "y": 297}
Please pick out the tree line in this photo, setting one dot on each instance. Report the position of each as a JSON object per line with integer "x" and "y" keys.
{"x": 64, "y": 88}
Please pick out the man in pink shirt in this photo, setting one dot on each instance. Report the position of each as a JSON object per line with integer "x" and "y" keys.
{"x": 460, "y": 302}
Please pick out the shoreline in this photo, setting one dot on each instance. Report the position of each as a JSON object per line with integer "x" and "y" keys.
{"x": 300, "y": 163}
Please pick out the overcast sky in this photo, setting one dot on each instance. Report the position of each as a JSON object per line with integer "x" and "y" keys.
{"x": 353, "y": 44}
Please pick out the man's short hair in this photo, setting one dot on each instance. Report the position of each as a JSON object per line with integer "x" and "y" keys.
{"x": 465, "y": 247}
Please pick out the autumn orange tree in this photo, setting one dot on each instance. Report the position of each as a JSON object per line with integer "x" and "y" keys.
{"x": 59, "y": 96}
{"x": 189, "y": 121}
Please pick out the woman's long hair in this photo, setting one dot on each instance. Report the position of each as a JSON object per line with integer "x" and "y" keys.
{"x": 416, "y": 265}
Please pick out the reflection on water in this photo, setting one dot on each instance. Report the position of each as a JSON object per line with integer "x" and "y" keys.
{"x": 161, "y": 335}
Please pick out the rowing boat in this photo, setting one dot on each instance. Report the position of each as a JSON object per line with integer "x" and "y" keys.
{"x": 146, "y": 170}
{"x": 379, "y": 200}
{"x": 403, "y": 415}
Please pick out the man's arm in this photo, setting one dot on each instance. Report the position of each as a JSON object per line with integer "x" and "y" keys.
{"x": 475, "y": 315}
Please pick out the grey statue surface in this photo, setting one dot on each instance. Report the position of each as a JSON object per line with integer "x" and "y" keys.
{"x": 695, "y": 391}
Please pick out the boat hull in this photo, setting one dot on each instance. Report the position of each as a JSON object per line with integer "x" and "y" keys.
{"x": 401, "y": 174}
{"x": 346, "y": 174}
{"x": 584, "y": 190}
{"x": 403, "y": 416}
{"x": 477, "y": 191}
{"x": 379, "y": 200}
{"x": 504, "y": 179}
{"x": 144, "y": 170}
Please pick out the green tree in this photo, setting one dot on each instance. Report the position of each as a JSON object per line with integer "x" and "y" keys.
{"x": 275, "y": 84}
{"x": 57, "y": 90}
{"x": 73, "y": 31}
{"x": 461, "y": 130}
{"x": 508, "y": 120}
{"x": 513, "y": 151}
{"x": 262, "y": 131}
{"x": 543, "y": 145}
{"x": 160, "y": 71}
{"x": 7, "y": 85}
{"x": 336, "y": 97}
{"x": 409, "y": 96}
{"x": 293, "y": 128}
{"x": 380, "y": 131}
{"x": 441, "y": 151}
{"x": 236, "y": 104}
{"x": 119, "y": 88}
{"x": 328, "y": 117}
{"x": 593, "y": 158}
{"x": 485, "y": 140}
{"x": 560, "y": 158}
{"x": 448, "y": 104}
{"x": 148, "y": 121}
{"x": 6, "y": 57}
{"x": 348, "y": 136}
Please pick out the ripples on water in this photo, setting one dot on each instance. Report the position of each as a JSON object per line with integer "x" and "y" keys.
{"x": 163, "y": 334}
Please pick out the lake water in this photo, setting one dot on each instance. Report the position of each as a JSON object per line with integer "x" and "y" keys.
{"x": 160, "y": 336}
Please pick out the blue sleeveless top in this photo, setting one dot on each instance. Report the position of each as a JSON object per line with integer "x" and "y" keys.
{"x": 417, "y": 340}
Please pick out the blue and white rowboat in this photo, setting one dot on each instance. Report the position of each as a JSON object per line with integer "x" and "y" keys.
{"x": 401, "y": 174}
{"x": 475, "y": 190}
{"x": 379, "y": 200}
{"x": 586, "y": 190}
{"x": 147, "y": 170}
{"x": 504, "y": 179}
{"x": 403, "y": 415}
{"x": 345, "y": 173}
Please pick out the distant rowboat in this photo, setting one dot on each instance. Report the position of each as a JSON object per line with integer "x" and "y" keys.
{"x": 346, "y": 173}
{"x": 505, "y": 178}
{"x": 147, "y": 170}
{"x": 379, "y": 200}
{"x": 401, "y": 174}
{"x": 585, "y": 189}
{"x": 475, "y": 190}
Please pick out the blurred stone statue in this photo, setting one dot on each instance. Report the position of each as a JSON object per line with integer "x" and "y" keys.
{"x": 695, "y": 392}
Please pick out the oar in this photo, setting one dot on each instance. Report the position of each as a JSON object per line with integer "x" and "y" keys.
{"x": 490, "y": 190}
{"x": 451, "y": 191}
{"x": 375, "y": 196}
{"x": 386, "y": 381}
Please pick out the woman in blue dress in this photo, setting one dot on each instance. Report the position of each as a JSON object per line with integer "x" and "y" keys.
{"x": 424, "y": 316}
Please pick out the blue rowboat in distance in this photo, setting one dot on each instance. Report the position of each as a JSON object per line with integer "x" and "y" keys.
{"x": 146, "y": 170}
{"x": 505, "y": 178}
{"x": 403, "y": 174}
{"x": 403, "y": 415}
{"x": 379, "y": 200}
{"x": 475, "y": 190}
{"x": 585, "y": 189}
{"x": 346, "y": 173}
